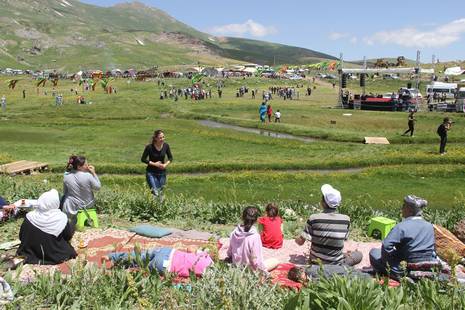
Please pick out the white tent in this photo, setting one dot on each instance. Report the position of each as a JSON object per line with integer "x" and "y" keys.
{"x": 454, "y": 71}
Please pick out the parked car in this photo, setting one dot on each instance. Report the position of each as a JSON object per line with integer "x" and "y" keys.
{"x": 390, "y": 77}
{"x": 412, "y": 92}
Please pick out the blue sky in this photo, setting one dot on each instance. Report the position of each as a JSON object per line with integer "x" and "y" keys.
{"x": 356, "y": 28}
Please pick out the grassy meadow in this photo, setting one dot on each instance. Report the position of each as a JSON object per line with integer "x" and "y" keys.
{"x": 217, "y": 172}
{"x": 113, "y": 129}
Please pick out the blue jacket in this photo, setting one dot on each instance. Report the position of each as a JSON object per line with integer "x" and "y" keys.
{"x": 411, "y": 240}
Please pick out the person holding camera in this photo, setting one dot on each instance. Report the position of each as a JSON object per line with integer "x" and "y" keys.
{"x": 442, "y": 132}
{"x": 79, "y": 183}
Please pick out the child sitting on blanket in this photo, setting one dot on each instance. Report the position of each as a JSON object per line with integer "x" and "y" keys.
{"x": 245, "y": 244}
{"x": 166, "y": 260}
{"x": 271, "y": 228}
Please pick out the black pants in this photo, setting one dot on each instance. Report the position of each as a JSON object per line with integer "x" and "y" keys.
{"x": 442, "y": 146}
{"x": 410, "y": 129}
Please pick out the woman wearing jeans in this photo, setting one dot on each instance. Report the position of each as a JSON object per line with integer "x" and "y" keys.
{"x": 154, "y": 156}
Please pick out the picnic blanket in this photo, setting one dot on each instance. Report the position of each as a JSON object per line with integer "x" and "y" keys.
{"x": 99, "y": 243}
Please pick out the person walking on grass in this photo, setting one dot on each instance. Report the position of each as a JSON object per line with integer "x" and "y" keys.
{"x": 277, "y": 117}
{"x": 154, "y": 156}
{"x": 442, "y": 132}
{"x": 262, "y": 111}
{"x": 411, "y": 124}
{"x": 3, "y": 102}
{"x": 269, "y": 112}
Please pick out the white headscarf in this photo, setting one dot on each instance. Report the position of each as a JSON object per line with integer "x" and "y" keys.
{"x": 47, "y": 216}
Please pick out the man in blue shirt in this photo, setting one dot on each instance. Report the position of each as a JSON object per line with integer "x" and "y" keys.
{"x": 412, "y": 240}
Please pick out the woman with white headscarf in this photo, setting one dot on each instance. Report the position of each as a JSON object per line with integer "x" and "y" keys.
{"x": 46, "y": 232}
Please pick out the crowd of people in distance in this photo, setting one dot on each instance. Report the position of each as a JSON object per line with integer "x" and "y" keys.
{"x": 195, "y": 92}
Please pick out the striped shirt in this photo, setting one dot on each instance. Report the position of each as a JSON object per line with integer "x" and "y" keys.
{"x": 327, "y": 233}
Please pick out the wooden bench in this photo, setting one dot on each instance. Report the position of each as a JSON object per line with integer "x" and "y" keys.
{"x": 375, "y": 140}
{"x": 22, "y": 167}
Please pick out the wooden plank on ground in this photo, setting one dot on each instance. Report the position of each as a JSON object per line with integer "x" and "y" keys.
{"x": 22, "y": 166}
{"x": 376, "y": 140}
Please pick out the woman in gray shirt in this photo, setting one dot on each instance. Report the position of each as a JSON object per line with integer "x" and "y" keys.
{"x": 80, "y": 182}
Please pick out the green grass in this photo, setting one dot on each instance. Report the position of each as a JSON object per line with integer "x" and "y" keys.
{"x": 217, "y": 172}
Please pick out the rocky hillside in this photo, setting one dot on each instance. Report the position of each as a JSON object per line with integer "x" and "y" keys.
{"x": 68, "y": 34}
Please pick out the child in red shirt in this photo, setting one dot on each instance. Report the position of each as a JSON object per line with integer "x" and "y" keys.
{"x": 271, "y": 228}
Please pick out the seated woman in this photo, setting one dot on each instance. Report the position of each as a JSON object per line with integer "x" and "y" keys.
{"x": 271, "y": 228}
{"x": 46, "y": 232}
{"x": 166, "y": 260}
{"x": 79, "y": 183}
{"x": 245, "y": 244}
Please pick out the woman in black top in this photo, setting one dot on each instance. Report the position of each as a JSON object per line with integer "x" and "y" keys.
{"x": 46, "y": 233}
{"x": 154, "y": 156}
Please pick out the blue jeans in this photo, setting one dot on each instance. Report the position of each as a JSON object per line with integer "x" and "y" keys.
{"x": 381, "y": 267}
{"x": 155, "y": 257}
{"x": 155, "y": 181}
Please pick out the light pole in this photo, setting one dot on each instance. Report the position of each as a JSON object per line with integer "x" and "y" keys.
{"x": 417, "y": 81}
{"x": 341, "y": 64}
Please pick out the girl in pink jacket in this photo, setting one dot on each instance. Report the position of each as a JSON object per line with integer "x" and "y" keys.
{"x": 245, "y": 244}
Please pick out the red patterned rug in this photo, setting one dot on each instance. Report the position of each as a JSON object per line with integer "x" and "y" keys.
{"x": 92, "y": 244}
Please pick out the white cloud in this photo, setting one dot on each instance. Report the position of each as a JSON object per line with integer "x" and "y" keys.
{"x": 354, "y": 40}
{"x": 440, "y": 36}
{"x": 249, "y": 27}
{"x": 338, "y": 35}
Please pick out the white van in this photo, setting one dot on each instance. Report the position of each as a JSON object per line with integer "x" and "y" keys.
{"x": 440, "y": 88}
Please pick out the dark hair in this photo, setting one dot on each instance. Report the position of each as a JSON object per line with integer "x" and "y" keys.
{"x": 156, "y": 133}
{"x": 74, "y": 162}
{"x": 249, "y": 217}
{"x": 272, "y": 210}
{"x": 295, "y": 274}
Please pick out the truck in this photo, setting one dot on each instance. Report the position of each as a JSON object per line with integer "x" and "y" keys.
{"x": 460, "y": 100}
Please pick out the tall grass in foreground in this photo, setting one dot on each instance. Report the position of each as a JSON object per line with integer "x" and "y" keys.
{"x": 222, "y": 287}
{"x": 365, "y": 294}
{"x": 90, "y": 288}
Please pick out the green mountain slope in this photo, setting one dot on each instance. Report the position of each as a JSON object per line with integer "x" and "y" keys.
{"x": 68, "y": 34}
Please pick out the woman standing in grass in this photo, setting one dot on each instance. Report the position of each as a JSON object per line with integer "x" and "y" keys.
{"x": 154, "y": 156}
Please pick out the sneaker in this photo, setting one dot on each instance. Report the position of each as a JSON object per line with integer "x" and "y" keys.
{"x": 442, "y": 154}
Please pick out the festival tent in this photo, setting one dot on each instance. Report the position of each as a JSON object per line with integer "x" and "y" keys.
{"x": 211, "y": 72}
{"x": 116, "y": 72}
{"x": 454, "y": 71}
